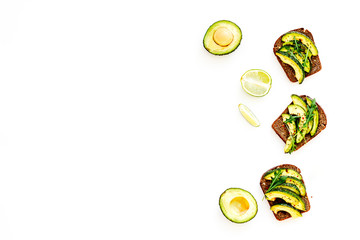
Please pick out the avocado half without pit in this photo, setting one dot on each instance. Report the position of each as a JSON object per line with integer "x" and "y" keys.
{"x": 238, "y": 205}
{"x": 222, "y": 37}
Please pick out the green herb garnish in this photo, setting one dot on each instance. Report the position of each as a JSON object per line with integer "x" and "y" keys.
{"x": 292, "y": 54}
{"x": 297, "y": 47}
{"x": 293, "y": 148}
{"x": 277, "y": 180}
{"x": 291, "y": 118}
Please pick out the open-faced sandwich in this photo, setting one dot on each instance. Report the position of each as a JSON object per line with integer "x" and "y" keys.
{"x": 300, "y": 122}
{"x": 284, "y": 189}
{"x": 297, "y": 54}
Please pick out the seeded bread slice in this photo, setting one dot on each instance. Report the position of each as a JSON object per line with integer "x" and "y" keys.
{"x": 265, "y": 184}
{"x": 281, "y": 130}
{"x": 290, "y": 73}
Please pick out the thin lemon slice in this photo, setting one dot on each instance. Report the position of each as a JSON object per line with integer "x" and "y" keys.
{"x": 256, "y": 82}
{"x": 248, "y": 115}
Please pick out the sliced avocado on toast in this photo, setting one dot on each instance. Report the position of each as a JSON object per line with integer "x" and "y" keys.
{"x": 298, "y": 43}
{"x": 286, "y": 199}
{"x": 300, "y": 122}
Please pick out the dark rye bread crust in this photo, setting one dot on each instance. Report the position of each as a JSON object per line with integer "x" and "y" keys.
{"x": 281, "y": 130}
{"x": 290, "y": 73}
{"x": 264, "y": 184}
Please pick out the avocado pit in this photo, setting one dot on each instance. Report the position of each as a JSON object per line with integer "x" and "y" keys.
{"x": 223, "y": 36}
{"x": 239, "y": 205}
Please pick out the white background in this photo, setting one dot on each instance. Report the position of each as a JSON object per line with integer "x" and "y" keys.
{"x": 116, "y": 123}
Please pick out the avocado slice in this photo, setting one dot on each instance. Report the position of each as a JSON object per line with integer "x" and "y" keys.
{"x": 286, "y": 208}
{"x": 298, "y": 101}
{"x": 309, "y": 127}
{"x": 290, "y": 144}
{"x": 288, "y": 196}
{"x": 293, "y": 35}
{"x": 315, "y": 122}
{"x": 284, "y": 172}
{"x": 294, "y": 63}
{"x": 291, "y": 125}
{"x": 299, "y": 184}
{"x": 238, "y": 205}
{"x": 222, "y": 37}
{"x": 290, "y": 186}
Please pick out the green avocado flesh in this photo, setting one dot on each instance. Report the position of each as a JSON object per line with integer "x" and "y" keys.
{"x": 288, "y": 196}
{"x": 286, "y": 208}
{"x": 238, "y": 205}
{"x": 222, "y": 37}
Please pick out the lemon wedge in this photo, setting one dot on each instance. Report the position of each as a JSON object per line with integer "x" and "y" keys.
{"x": 248, "y": 115}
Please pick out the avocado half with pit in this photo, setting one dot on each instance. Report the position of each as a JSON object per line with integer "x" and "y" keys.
{"x": 222, "y": 37}
{"x": 238, "y": 205}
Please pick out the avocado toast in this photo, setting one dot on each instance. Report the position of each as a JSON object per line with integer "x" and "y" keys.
{"x": 285, "y": 132}
{"x": 297, "y": 54}
{"x": 289, "y": 198}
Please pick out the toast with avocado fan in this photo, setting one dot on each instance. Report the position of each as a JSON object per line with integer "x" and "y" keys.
{"x": 283, "y": 131}
{"x": 283, "y": 209}
{"x": 294, "y": 56}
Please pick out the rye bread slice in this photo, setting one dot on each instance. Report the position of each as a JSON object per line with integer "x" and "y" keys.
{"x": 290, "y": 73}
{"x": 281, "y": 130}
{"x": 265, "y": 184}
